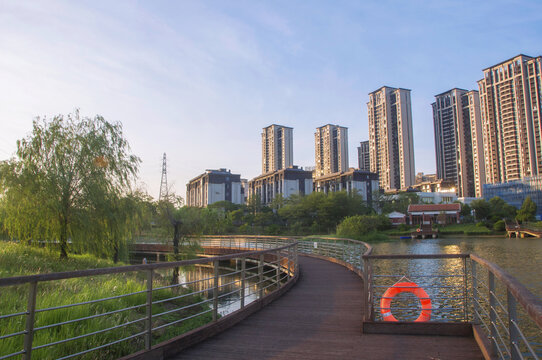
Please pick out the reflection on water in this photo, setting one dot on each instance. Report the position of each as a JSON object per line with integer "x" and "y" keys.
{"x": 200, "y": 278}
{"x": 521, "y": 258}
{"x": 441, "y": 279}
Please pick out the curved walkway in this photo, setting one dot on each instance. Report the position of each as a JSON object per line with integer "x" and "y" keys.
{"x": 320, "y": 318}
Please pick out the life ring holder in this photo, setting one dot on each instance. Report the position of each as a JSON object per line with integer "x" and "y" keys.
{"x": 405, "y": 286}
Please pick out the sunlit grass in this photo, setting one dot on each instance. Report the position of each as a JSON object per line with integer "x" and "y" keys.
{"x": 16, "y": 259}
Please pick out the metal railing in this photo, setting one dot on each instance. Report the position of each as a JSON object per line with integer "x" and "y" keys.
{"x": 443, "y": 277}
{"x": 509, "y": 315}
{"x": 158, "y": 307}
{"x": 463, "y": 288}
{"x": 459, "y": 293}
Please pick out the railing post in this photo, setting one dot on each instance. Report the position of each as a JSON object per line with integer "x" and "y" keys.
{"x": 492, "y": 312}
{"x": 289, "y": 251}
{"x": 512, "y": 326}
{"x": 475, "y": 296}
{"x": 465, "y": 290}
{"x": 278, "y": 269}
{"x": 366, "y": 295}
{"x": 260, "y": 276}
{"x": 243, "y": 276}
{"x": 215, "y": 291}
{"x": 30, "y": 314}
{"x": 344, "y": 250}
{"x": 148, "y": 322}
{"x": 371, "y": 293}
{"x": 360, "y": 256}
{"x": 296, "y": 260}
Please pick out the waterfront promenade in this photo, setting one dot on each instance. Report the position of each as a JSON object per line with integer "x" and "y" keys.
{"x": 320, "y": 318}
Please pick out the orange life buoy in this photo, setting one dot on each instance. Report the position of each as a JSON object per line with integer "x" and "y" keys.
{"x": 411, "y": 287}
{"x": 418, "y": 230}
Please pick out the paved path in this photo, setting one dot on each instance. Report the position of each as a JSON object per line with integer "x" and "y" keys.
{"x": 319, "y": 318}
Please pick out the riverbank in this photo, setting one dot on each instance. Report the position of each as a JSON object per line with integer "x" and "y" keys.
{"x": 475, "y": 230}
{"x": 17, "y": 259}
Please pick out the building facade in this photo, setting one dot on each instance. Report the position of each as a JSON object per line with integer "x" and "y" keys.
{"x": 364, "y": 162}
{"x": 331, "y": 149}
{"x": 391, "y": 143}
{"x": 421, "y": 177}
{"x": 510, "y": 102}
{"x": 213, "y": 186}
{"x": 456, "y": 118}
{"x": 363, "y": 182}
{"x": 277, "y": 148}
{"x": 285, "y": 182}
{"x": 434, "y": 213}
{"x": 439, "y": 185}
{"x": 516, "y": 191}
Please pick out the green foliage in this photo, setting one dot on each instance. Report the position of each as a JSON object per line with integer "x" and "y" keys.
{"x": 17, "y": 259}
{"x": 481, "y": 209}
{"x": 316, "y": 213}
{"x": 465, "y": 210}
{"x": 388, "y": 203}
{"x": 493, "y": 210}
{"x": 70, "y": 176}
{"x": 358, "y": 226}
{"x": 499, "y": 226}
{"x": 319, "y": 212}
{"x": 466, "y": 229}
{"x": 527, "y": 211}
{"x": 500, "y": 209}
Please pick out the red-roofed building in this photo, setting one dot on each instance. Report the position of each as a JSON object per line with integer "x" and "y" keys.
{"x": 434, "y": 213}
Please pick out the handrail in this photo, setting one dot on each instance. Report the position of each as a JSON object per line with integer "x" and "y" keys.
{"x": 418, "y": 256}
{"x": 280, "y": 255}
{"x": 18, "y": 280}
{"x": 368, "y": 246}
{"x": 531, "y": 304}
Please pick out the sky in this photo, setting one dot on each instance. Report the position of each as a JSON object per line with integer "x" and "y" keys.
{"x": 198, "y": 80}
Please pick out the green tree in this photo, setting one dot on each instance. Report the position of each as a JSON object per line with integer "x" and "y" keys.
{"x": 55, "y": 187}
{"x": 358, "y": 226}
{"x": 500, "y": 209}
{"x": 482, "y": 209}
{"x": 388, "y": 203}
{"x": 527, "y": 211}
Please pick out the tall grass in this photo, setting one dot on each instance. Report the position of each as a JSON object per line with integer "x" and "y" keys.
{"x": 16, "y": 259}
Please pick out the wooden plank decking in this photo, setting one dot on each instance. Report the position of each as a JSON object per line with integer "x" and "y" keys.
{"x": 320, "y": 318}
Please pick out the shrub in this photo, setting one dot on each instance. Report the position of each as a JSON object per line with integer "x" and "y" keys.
{"x": 499, "y": 226}
{"x": 360, "y": 225}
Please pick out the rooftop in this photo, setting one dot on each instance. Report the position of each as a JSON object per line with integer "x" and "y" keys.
{"x": 434, "y": 207}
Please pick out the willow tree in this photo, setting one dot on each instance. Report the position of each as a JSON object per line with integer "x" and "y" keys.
{"x": 66, "y": 178}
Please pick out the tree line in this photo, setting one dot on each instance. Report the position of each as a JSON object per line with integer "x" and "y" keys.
{"x": 71, "y": 186}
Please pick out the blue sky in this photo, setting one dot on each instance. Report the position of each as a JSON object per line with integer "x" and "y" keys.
{"x": 200, "y": 79}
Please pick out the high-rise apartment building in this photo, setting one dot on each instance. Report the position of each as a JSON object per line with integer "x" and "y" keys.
{"x": 510, "y": 102}
{"x": 391, "y": 143}
{"x": 277, "y": 148}
{"x": 456, "y": 117}
{"x": 285, "y": 182}
{"x": 364, "y": 162}
{"x": 331, "y": 149}
{"x": 478, "y": 159}
{"x": 213, "y": 186}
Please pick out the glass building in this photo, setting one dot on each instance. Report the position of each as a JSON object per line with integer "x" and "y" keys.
{"x": 514, "y": 192}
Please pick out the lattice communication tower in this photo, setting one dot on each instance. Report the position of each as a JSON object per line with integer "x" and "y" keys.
{"x": 163, "y": 183}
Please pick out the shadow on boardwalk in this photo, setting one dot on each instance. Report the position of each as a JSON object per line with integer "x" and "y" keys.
{"x": 320, "y": 318}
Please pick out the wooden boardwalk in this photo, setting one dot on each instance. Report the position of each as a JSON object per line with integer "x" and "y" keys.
{"x": 319, "y": 318}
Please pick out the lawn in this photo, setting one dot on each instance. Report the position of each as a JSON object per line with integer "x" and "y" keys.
{"x": 17, "y": 259}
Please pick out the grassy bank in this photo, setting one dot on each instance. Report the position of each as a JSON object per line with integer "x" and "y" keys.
{"x": 16, "y": 259}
